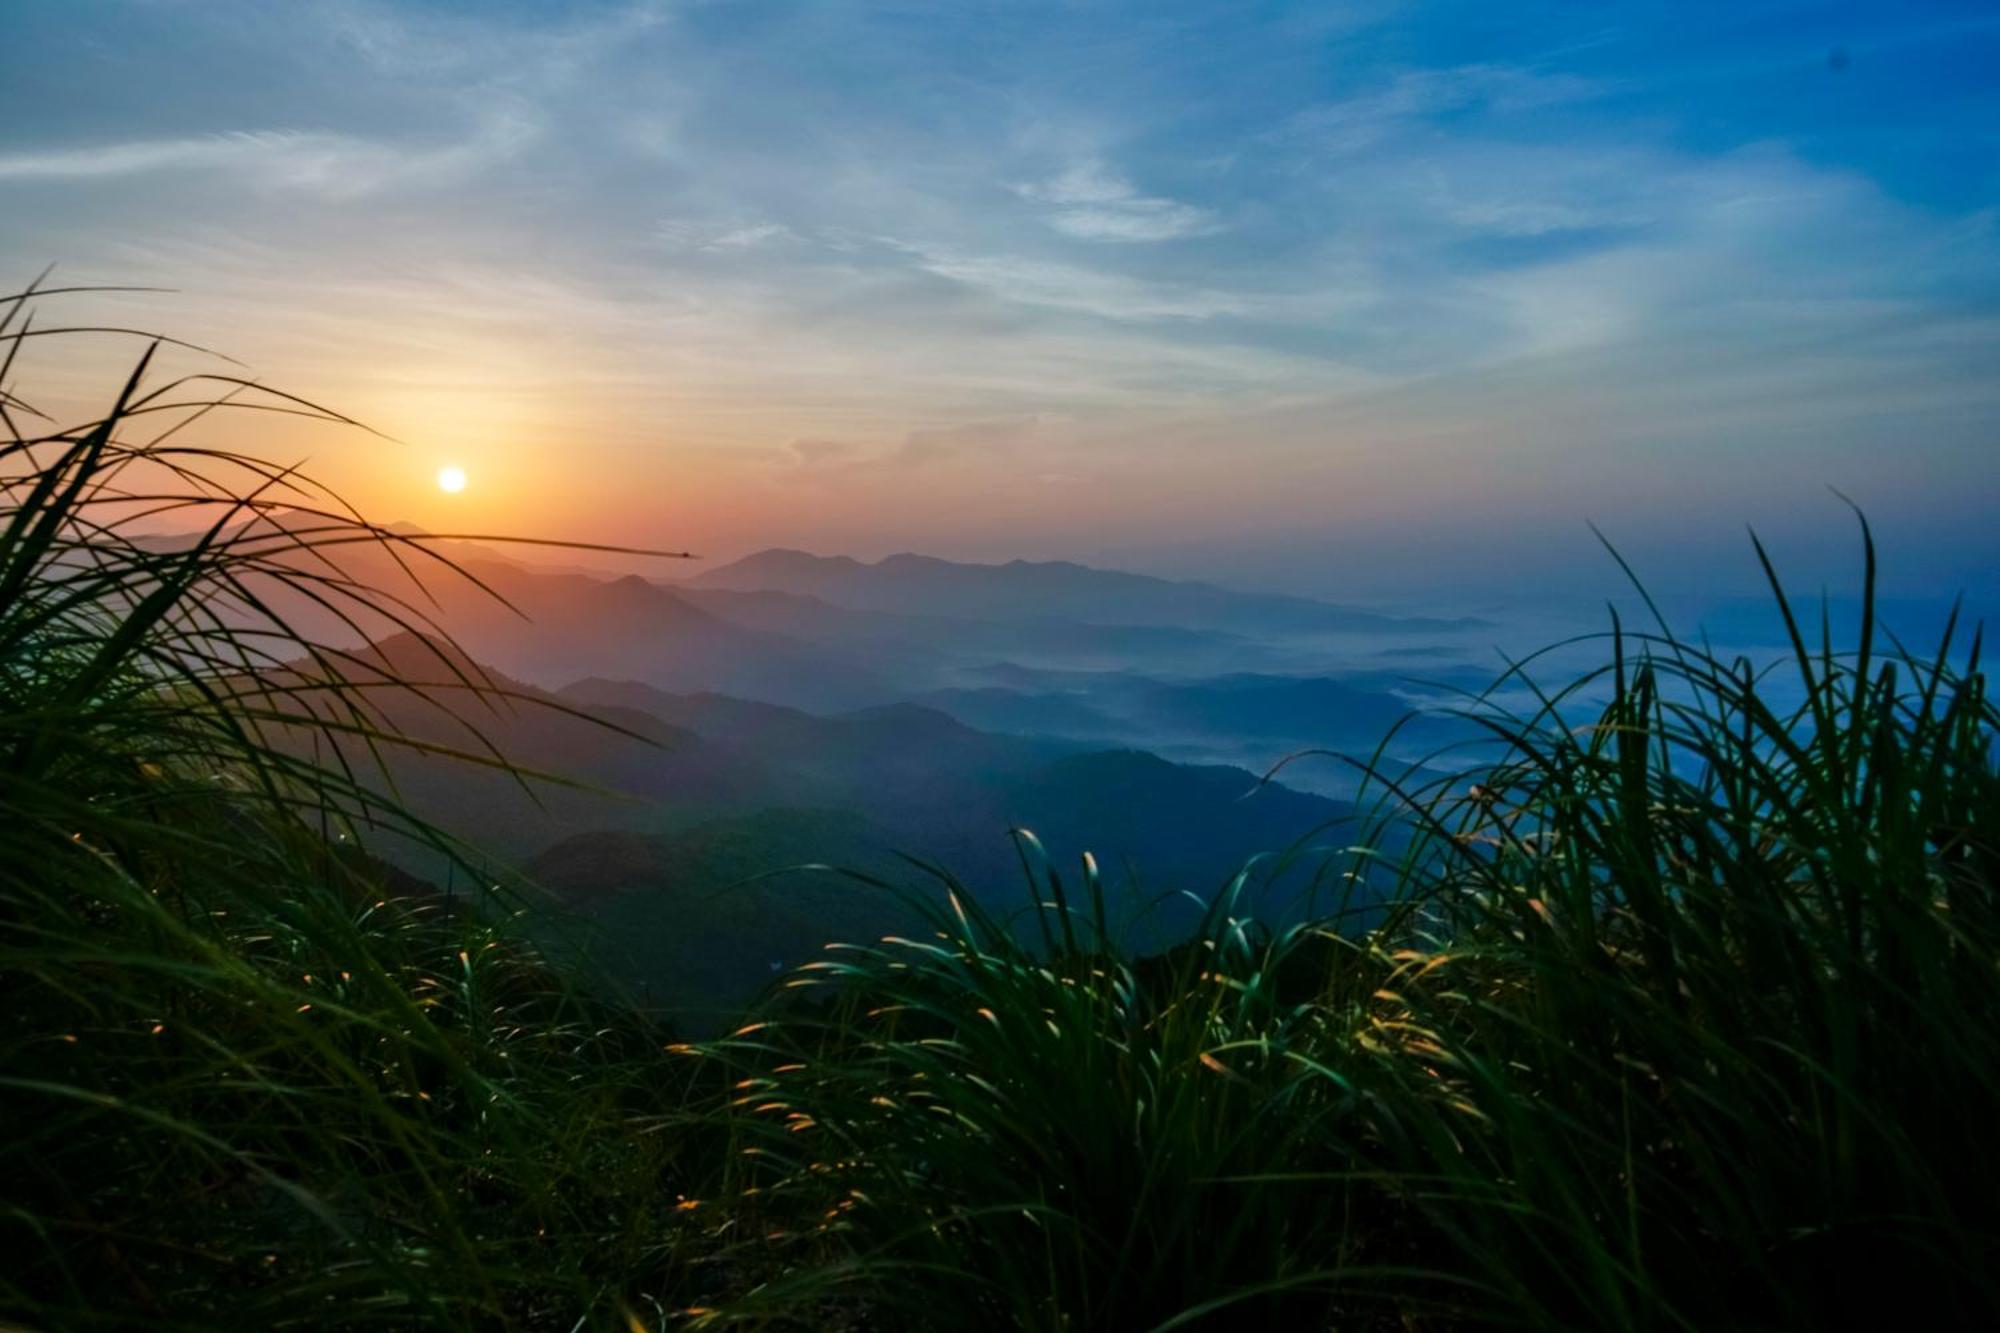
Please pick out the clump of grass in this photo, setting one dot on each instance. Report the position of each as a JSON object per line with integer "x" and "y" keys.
{"x": 249, "y": 1076}
{"x": 980, "y": 1132}
{"x": 1705, "y": 991}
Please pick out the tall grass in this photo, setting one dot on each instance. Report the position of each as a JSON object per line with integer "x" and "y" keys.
{"x": 1684, "y": 1016}
{"x": 979, "y": 1131}
{"x": 250, "y": 1077}
{"x": 1699, "y": 1000}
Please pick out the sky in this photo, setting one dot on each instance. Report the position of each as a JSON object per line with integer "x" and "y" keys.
{"x": 1378, "y": 300}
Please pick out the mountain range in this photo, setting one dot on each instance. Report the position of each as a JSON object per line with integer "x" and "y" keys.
{"x": 1027, "y": 590}
{"x": 679, "y": 749}
{"x": 663, "y": 810}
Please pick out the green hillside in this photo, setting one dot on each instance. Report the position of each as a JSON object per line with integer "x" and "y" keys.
{"x": 698, "y": 922}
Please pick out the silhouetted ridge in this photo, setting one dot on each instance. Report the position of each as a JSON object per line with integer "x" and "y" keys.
{"x": 914, "y": 718}
{"x": 413, "y": 656}
{"x": 1021, "y": 589}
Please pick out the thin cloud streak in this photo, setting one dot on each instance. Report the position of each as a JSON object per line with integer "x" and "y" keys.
{"x": 335, "y": 166}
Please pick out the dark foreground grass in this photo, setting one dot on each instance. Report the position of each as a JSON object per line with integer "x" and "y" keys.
{"x": 1683, "y": 1015}
{"x": 249, "y": 1077}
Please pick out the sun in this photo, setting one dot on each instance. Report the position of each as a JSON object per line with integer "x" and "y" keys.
{"x": 451, "y": 480}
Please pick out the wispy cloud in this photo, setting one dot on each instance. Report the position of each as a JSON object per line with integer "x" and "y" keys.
{"x": 714, "y": 238}
{"x": 972, "y": 438}
{"x": 480, "y": 44}
{"x": 1365, "y": 119}
{"x": 981, "y": 440}
{"x": 1056, "y": 285}
{"x": 333, "y": 165}
{"x": 1093, "y": 204}
{"x": 812, "y": 453}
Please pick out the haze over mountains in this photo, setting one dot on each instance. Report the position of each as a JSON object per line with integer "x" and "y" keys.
{"x": 669, "y": 803}
{"x": 685, "y": 745}
{"x": 1031, "y": 590}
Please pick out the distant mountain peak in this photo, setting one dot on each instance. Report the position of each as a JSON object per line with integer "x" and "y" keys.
{"x": 414, "y": 655}
{"x": 931, "y": 721}
{"x": 907, "y": 582}
{"x": 777, "y": 556}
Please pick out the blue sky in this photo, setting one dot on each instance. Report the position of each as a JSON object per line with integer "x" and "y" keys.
{"x": 1367, "y": 298}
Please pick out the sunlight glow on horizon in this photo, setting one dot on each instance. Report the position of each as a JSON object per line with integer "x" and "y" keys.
{"x": 1345, "y": 298}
